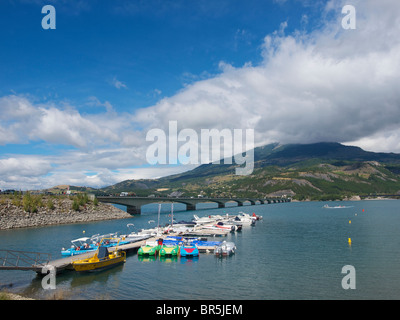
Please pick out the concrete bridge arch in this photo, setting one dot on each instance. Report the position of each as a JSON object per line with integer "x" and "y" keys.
{"x": 134, "y": 204}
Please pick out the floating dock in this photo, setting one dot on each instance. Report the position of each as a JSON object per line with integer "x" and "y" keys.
{"x": 63, "y": 264}
{"x": 66, "y": 263}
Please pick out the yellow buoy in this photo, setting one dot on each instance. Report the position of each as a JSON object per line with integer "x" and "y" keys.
{"x": 349, "y": 241}
{"x": 349, "y": 221}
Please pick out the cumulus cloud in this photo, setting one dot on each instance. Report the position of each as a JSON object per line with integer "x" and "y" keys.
{"x": 19, "y": 172}
{"x": 330, "y": 84}
{"x": 100, "y": 142}
{"x": 21, "y": 121}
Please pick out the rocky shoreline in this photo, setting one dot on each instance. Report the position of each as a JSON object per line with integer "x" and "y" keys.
{"x": 14, "y": 216}
{"x": 12, "y": 296}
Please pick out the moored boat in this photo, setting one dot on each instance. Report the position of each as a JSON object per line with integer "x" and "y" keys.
{"x": 244, "y": 219}
{"x": 220, "y": 226}
{"x": 150, "y": 248}
{"x": 102, "y": 259}
{"x": 225, "y": 249}
{"x": 135, "y": 236}
{"x": 167, "y": 250}
{"x": 203, "y": 220}
{"x": 86, "y": 244}
{"x": 79, "y": 246}
{"x": 189, "y": 250}
{"x": 257, "y": 217}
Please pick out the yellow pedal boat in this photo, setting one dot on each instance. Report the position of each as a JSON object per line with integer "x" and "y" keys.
{"x": 102, "y": 259}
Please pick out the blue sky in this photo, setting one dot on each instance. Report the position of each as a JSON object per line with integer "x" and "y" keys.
{"x": 76, "y": 102}
{"x": 151, "y": 48}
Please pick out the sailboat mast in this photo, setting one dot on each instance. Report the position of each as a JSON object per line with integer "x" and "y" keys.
{"x": 158, "y": 222}
{"x": 172, "y": 214}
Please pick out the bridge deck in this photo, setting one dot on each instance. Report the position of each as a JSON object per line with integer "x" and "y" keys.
{"x": 134, "y": 204}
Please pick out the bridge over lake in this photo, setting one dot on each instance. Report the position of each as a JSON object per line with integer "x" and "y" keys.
{"x": 134, "y": 204}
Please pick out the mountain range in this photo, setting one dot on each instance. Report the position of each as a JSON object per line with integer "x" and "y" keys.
{"x": 319, "y": 171}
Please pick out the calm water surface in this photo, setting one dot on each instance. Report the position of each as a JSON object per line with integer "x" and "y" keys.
{"x": 296, "y": 252}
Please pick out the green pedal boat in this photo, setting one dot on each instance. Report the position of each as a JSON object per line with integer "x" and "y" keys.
{"x": 151, "y": 248}
{"x": 169, "y": 250}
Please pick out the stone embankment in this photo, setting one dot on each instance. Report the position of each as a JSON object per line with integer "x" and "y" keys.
{"x": 13, "y": 215}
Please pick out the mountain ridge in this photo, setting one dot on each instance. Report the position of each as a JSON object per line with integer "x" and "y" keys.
{"x": 305, "y": 171}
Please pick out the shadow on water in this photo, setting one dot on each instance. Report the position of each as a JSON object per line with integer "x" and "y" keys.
{"x": 74, "y": 285}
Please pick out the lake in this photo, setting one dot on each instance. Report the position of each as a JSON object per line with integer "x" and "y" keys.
{"x": 297, "y": 251}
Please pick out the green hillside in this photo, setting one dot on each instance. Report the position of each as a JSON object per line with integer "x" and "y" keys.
{"x": 320, "y": 171}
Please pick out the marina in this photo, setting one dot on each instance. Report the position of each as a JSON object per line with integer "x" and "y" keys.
{"x": 297, "y": 251}
{"x": 182, "y": 239}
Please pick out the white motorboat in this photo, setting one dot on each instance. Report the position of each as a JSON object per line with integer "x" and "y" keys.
{"x": 224, "y": 225}
{"x": 135, "y": 236}
{"x": 216, "y": 226}
{"x": 151, "y": 232}
{"x": 179, "y": 229}
{"x": 225, "y": 249}
{"x": 245, "y": 219}
{"x": 203, "y": 220}
{"x": 337, "y": 207}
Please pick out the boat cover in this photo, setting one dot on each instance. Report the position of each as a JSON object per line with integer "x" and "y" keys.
{"x": 103, "y": 252}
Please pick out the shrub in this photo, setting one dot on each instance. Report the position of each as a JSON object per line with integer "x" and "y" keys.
{"x": 50, "y": 204}
{"x": 16, "y": 199}
{"x": 33, "y": 208}
{"x": 75, "y": 205}
{"x": 27, "y": 202}
{"x": 37, "y": 201}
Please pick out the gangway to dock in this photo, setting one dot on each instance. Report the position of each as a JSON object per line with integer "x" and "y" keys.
{"x": 23, "y": 260}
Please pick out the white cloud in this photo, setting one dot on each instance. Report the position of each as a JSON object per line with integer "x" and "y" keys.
{"x": 22, "y": 171}
{"x": 328, "y": 85}
{"x": 386, "y": 141}
{"x": 118, "y": 84}
{"x": 100, "y": 142}
{"x": 22, "y": 121}
{"x": 24, "y": 166}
